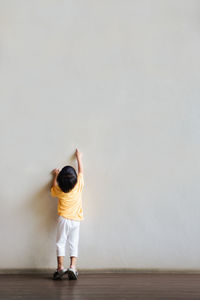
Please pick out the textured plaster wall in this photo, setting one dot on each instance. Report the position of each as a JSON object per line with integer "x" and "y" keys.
{"x": 120, "y": 81}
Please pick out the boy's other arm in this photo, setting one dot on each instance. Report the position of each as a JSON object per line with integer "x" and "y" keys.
{"x": 79, "y": 160}
{"x": 55, "y": 174}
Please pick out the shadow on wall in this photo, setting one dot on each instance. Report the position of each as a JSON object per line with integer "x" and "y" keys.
{"x": 41, "y": 211}
{"x": 41, "y": 216}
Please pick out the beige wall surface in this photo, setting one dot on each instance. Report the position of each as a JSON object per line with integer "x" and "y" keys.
{"x": 120, "y": 81}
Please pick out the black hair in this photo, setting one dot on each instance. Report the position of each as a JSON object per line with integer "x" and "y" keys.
{"x": 67, "y": 178}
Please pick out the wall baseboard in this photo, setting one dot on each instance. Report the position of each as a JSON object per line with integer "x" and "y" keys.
{"x": 98, "y": 271}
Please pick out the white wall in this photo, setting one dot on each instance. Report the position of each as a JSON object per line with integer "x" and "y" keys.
{"x": 120, "y": 81}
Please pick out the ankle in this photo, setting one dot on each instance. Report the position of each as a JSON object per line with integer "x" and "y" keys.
{"x": 72, "y": 266}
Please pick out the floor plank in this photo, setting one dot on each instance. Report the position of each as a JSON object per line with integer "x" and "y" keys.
{"x": 101, "y": 286}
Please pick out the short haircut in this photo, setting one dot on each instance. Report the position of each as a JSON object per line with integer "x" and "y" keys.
{"x": 67, "y": 178}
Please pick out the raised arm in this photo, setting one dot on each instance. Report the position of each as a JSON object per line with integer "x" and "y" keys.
{"x": 55, "y": 175}
{"x": 79, "y": 160}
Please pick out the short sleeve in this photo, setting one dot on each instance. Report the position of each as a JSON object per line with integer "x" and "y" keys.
{"x": 53, "y": 191}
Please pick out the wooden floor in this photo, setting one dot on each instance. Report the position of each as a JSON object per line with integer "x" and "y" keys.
{"x": 101, "y": 286}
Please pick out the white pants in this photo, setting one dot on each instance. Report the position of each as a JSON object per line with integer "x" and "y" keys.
{"x": 67, "y": 230}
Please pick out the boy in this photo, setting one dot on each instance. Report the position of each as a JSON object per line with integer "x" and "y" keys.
{"x": 67, "y": 187}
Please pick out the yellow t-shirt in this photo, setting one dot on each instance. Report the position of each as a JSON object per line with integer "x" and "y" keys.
{"x": 70, "y": 204}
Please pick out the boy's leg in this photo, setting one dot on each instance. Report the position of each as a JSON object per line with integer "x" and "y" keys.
{"x": 61, "y": 238}
{"x": 74, "y": 242}
{"x": 73, "y": 260}
{"x": 60, "y": 260}
{"x": 61, "y": 271}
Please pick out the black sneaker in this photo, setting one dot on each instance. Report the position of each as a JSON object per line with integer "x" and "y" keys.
{"x": 59, "y": 274}
{"x": 72, "y": 274}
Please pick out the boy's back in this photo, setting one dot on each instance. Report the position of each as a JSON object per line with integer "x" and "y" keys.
{"x": 70, "y": 204}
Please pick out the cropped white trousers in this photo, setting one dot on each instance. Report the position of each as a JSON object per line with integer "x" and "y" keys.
{"x": 67, "y": 231}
